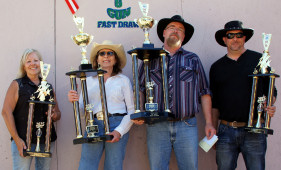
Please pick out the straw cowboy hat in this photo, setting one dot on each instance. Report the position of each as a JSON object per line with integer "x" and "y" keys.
{"x": 189, "y": 30}
{"x": 233, "y": 25}
{"x": 107, "y": 44}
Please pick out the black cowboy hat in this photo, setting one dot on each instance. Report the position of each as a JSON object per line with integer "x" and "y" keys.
{"x": 189, "y": 30}
{"x": 233, "y": 25}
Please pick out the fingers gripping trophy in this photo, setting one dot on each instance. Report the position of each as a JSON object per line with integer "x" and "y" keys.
{"x": 262, "y": 71}
{"x": 146, "y": 53}
{"x": 85, "y": 70}
{"x": 43, "y": 96}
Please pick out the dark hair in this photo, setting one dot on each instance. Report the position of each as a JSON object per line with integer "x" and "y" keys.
{"x": 116, "y": 67}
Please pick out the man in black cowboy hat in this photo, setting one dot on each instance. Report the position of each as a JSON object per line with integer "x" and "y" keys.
{"x": 231, "y": 89}
{"x": 187, "y": 85}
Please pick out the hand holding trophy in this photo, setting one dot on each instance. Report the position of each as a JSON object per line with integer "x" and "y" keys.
{"x": 262, "y": 71}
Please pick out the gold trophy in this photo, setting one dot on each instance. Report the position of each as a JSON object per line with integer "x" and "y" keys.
{"x": 44, "y": 96}
{"x": 83, "y": 40}
{"x": 146, "y": 54}
{"x": 85, "y": 69}
{"x": 262, "y": 71}
{"x": 145, "y": 22}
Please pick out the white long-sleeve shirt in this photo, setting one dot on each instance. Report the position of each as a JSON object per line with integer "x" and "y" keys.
{"x": 119, "y": 96}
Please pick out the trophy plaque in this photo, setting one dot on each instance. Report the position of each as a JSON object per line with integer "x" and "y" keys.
{"x": 146, "y": 54}
{"x": 43, "y": 97}
{"x": 85, "y": 70}
{"x": 262, "y": 72}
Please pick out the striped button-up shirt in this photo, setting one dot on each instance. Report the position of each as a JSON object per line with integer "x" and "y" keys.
{"x": 186, "y": 82}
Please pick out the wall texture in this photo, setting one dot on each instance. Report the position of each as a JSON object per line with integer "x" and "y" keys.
{"x": 48, "y": 25}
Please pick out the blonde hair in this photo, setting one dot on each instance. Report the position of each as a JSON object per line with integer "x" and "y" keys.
{"x": 22, "y": 72}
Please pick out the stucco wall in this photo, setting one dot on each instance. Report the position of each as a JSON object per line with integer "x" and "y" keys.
{"x": 48, "y": 25}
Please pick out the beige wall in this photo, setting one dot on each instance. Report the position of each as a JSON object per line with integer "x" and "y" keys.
{"x": 47, "y": 26}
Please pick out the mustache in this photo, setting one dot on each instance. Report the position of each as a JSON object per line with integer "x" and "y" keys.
{"x": 177, "y": 35}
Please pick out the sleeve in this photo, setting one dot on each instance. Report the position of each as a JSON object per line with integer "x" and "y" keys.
{"x": 202, "y": 82}
{"x": 213, "y": 87}
{"x": 126, "y": 122}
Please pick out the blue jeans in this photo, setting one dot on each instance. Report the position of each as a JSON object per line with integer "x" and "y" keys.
{"x": 182, "y": 136}
{"x": 23, "y": 163}
{"x": 232, "y": 141}
{"x": 114, "y": 152}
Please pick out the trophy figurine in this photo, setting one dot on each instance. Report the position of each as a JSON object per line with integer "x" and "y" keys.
{"x": 41, "y": 96}
{"x": 83, "y": 40}
{"x": 91, "y": 129}
{"x": 262, "y": 71}
{"x": 39, "y": 125}
{"x": 151, "y": 114}
{"x": 145, "y": 22}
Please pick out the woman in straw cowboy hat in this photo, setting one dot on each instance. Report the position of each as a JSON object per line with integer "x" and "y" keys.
{"x": 119, "y": 94}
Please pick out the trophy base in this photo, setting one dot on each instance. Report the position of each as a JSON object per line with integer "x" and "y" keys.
{"x": 37, "y": 154}
{"x": 152, "y": 117}
{"x": 148, "y": 52}
{"x": 92, "y": 139}
{"x": 259, "y": 130}
{"x": 147, "y": 45}
{"x": 85, "y": 67}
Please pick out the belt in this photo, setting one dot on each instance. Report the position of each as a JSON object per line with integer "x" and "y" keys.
{"x": 234, "y": 124}
{"x": 182, "y": 119}
{"x": 99, "y": 115}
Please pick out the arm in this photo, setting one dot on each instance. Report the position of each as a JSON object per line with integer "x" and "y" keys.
{"x": 56, "y": 115}
{"x": 7, "y": 113}
{"x": 207, "y": 107}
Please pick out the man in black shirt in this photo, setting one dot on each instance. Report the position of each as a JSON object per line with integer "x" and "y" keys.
{"x": 231, "y": 88}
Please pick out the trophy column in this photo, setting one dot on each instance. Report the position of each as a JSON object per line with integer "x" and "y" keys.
{"x": 136, "y": 82}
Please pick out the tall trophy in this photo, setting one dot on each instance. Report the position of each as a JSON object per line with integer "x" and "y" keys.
{"x": 85, "y": 70}
{"x": 44, "y": 96}
{"x": 146, "y": 54}
{"x": 263, "y": 72}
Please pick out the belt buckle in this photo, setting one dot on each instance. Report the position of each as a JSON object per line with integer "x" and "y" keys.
{"x": 234, "y": 124}
{"x": 99, "y": 116}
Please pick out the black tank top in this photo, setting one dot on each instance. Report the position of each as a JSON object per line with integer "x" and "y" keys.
{"x": 26, "y": 89}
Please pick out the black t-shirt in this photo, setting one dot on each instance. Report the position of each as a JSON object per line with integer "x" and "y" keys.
{"x": 231, "y": 85}
{"x": 26, "y": 89}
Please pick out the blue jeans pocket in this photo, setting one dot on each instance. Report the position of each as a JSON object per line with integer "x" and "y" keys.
{"x": 191, "y": 122}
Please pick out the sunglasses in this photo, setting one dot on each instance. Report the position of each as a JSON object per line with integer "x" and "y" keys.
{"x": 232, "y": 35}
{"x": 109, "y": 53}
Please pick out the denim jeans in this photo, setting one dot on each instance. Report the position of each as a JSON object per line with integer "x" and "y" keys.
{"x": 23, "y": 163}
{"x": 114, "y": 152}
{"x": 232, "y": 141}
{"x": 182, "y": 136}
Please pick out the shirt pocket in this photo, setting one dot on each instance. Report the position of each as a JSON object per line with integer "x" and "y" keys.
{"x": 186, "y": 74}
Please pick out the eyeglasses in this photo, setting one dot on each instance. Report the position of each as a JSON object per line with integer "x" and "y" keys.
{"x": 108, "y": 53}
{"x": 232, "y": 35}
{"x": 172, "y": 28}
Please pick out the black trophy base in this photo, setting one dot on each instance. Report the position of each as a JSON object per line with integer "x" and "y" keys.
{"x": 37, "y": 154}
{"x": 92, "y": 139}
{"x": 259, "y": 130}
{"x": 85, "y": 67}
{"x": 152, "y": 117}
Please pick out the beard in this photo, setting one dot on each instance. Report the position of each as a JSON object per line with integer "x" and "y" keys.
{"x": 173, "y": 40}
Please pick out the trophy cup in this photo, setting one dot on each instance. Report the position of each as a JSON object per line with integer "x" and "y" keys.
{"x": 83, "y": 40}
{"x": 146, "y": 54}
{"x": 44, "y": 96}
{"x": 262, "y": 71}
{"x": 85, "y": 70}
